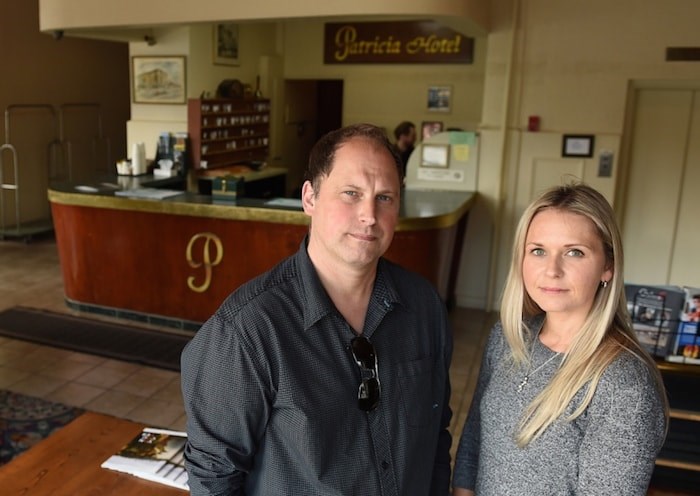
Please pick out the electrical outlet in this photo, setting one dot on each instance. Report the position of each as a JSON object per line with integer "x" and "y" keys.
{"x": 605, "y": 164}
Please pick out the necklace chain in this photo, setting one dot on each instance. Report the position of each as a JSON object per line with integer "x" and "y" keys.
{"x": 529, "y": 373}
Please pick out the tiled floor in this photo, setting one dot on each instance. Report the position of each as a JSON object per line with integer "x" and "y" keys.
{"x": 30, "y": 276}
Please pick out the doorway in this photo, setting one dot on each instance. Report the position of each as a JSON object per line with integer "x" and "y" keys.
{"x": 659, "y": 226}
{"x": 313, "y": 107}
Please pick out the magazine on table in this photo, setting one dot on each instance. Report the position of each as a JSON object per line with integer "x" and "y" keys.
{"x": 155, "y": 455}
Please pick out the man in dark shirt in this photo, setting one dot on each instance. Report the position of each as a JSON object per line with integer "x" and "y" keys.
{"x": 327, "y": 375}
{"x": 405, "y": 134}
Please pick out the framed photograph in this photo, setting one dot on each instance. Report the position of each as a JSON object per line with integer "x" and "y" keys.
{"x": 226, "y": 44}
{"x": 429, "y": 128}
{"x": 435, "y": 156}
{"x": 577, "y": 145}
{"x": 439, "y": 98}
{"x": 158, "y": 79}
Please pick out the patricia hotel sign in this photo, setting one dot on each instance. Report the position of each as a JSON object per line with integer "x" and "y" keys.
{"x": 406, "y": 42}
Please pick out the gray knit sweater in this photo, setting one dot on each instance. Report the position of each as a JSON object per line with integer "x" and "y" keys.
{"x": 609, "y": 450}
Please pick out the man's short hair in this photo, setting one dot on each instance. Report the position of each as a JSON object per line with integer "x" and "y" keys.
{"x": 403, "y": 128}
{"x": 323, "y": 152}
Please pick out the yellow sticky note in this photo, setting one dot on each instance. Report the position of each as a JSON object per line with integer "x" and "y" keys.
{"x": 460, "y": 153}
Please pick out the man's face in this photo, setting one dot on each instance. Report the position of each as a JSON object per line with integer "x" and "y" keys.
{"x": 410, "y": 138}
{"x": 355, "y": 209}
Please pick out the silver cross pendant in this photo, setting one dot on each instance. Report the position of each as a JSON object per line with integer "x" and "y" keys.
{"x": 522, "y": 384}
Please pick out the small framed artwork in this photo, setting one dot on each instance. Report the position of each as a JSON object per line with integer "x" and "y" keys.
{"x": 577, "y": 145}
{"x": 439, "y": 98}
{"x": 435, "y": 156}
{"x": 226, "y": 44}
{"x": 429, "y": 128}
{"x": 158, "y": 79}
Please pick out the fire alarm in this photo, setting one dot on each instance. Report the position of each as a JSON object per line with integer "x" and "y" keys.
{"x": 533, "y": 123}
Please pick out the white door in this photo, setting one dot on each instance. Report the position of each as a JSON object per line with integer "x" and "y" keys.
{"x": 660, "y": 227}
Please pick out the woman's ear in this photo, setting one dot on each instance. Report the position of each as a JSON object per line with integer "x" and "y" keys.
{"x": 607, "y": 274}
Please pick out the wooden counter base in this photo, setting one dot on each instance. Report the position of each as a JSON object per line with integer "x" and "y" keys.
{"x": 150, "y": 261}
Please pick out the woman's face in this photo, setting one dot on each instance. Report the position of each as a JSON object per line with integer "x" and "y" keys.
{"x": 564, "y": 263}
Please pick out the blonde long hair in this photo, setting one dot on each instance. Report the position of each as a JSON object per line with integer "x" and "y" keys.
{"x": 606, "y": 332}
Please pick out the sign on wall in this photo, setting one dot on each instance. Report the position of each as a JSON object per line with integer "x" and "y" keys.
{"x": 403, "y": 42}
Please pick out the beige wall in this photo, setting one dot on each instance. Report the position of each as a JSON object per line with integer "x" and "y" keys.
{"x": 195, "y": 43}
{"x": 60, "y": 76}
{"x": 570, "y": 62}
{"x": 384, "y": 95}
{"x": 387, "y": 94}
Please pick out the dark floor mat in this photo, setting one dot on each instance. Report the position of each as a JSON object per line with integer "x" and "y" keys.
{"x": 134, "y": 344}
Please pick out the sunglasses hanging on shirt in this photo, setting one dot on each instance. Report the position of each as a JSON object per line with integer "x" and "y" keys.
{"x": 366, "y": 358}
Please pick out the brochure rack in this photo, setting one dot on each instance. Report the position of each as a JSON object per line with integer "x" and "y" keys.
{"x": 664, "y": 320}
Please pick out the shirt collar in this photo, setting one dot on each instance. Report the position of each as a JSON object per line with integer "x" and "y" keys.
{"x": 318, "y": 304}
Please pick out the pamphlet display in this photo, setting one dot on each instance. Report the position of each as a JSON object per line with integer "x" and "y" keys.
{"x": 655, "y": 313}
{"x": 687, "y": 345}
{"x": 155, "y": 455}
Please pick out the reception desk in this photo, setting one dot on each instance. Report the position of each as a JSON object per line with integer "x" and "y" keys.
{"x": 173, "y": 261}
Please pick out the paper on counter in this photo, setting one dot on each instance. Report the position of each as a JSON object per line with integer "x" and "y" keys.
{"x": 284, "y": 202}
{"x": 148, "y": 193}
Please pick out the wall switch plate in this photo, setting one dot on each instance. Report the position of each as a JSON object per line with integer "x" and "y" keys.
{"x": 605, "y": 164}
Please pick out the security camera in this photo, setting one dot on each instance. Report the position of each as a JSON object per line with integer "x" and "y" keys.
{"x": 58, "y": 34}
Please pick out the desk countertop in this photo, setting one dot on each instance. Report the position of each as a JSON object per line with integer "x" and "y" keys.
{"x": 420, "y": 209}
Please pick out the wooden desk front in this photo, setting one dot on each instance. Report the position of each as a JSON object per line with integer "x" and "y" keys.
{"x": 181, "y": 257}
{"x": 67, "y": 463}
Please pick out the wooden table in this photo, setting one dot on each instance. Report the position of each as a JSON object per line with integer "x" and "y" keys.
{"x": 68, "y": 463}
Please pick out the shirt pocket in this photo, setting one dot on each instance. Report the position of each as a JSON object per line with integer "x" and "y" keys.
{"x": 416, "y": 382}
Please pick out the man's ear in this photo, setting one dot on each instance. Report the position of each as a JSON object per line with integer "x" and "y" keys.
{"x": 308, "y": 197}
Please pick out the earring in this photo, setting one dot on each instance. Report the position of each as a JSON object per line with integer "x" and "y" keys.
{"x": 603, "y": 284}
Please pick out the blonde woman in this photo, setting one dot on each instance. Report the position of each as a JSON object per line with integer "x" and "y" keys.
{"x": 567, "y": 402}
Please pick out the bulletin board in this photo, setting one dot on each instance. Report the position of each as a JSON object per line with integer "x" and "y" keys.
{"x": 445, "y": 161}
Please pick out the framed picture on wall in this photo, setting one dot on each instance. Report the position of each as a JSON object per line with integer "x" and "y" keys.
{"x": 577, "y": 145}
{"x": 439, "y": 98}
{"x": 429, "y": 128}
{"x": 226, "y": 44}
{"x": 158, "y": 79}
{"x": 435, "y": 156}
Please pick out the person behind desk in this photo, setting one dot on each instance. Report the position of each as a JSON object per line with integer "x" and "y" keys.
{"x": 567, "y": 400}
{"x": 405, "y": 134}
{"x": 327, "y": 375}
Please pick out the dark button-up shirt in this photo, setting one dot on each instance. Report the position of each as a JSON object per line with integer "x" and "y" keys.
{"x": 270, "y": 389}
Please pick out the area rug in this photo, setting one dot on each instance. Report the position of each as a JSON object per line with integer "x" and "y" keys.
{"x": 122, "y": 342}
{"x": 25, "y": 420}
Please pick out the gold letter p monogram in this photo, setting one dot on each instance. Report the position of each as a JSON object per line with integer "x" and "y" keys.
{"x": 211, "y": 241}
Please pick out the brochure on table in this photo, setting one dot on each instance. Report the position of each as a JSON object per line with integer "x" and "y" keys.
{"x": 155, "y": 455}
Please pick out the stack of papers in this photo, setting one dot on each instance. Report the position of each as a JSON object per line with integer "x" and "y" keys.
{"x": 285, "y": 202}
{"x": 148, "y": 193}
